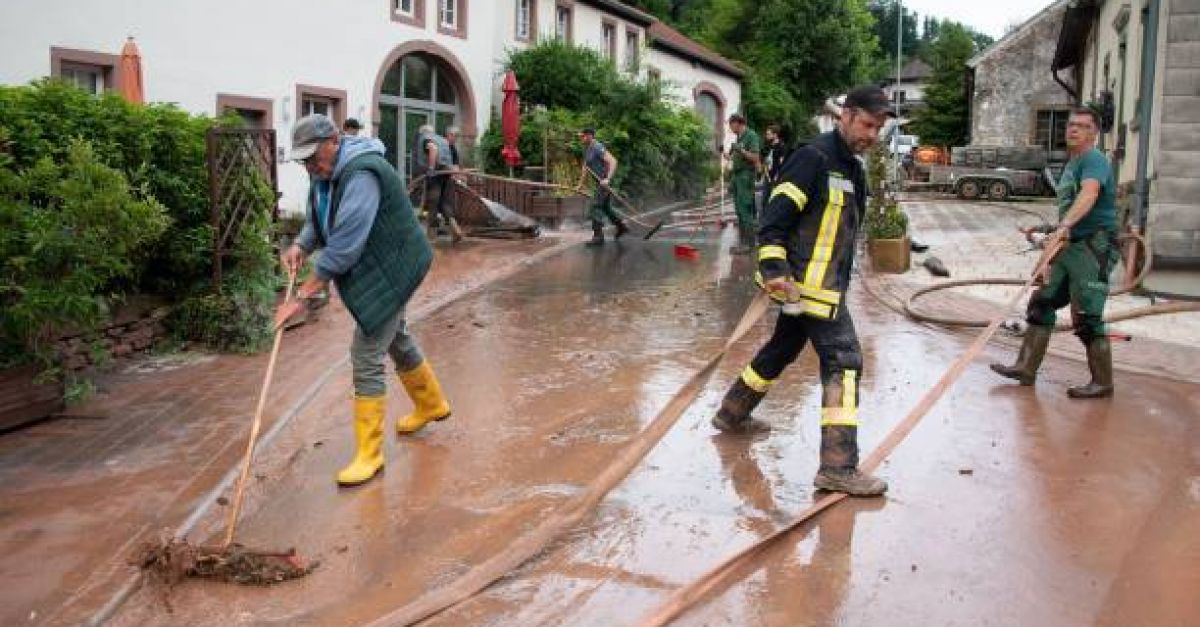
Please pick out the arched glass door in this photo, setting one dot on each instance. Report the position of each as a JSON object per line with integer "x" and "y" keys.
{"x": 417, "y": 90}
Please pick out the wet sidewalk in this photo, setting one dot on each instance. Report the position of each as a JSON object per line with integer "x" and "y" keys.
{"x": 978, "y": 240}
{"x": 149, "y": 450}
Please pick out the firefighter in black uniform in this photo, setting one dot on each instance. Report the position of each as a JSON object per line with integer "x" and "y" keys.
{"x": 806, "y": 249}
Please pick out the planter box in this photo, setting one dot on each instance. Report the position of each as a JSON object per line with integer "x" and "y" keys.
{"x": 552, "y": 210}
{"x": 22, "y": 401}
{"x": 890, "y": 255}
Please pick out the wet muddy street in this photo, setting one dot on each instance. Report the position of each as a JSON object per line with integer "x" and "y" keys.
{"x": 1008, "y": 505}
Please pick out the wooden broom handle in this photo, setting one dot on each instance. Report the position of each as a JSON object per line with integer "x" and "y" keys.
{"x": 231, "y": 524}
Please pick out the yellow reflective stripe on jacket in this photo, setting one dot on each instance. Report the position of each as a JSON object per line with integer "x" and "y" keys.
{"x": 754, "y": 380}
{"x": 810, "y": 306}
{"x": 818, "y": 265}
{"x": 816, "y": 293}
{"x": 813, "y": 308}
{"x": 773, "y": 251}
{"x": 790, "y": 190}
{"x": 839, "y": 417}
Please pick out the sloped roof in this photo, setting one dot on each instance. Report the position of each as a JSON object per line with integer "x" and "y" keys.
{"x": 622, "y": 10}
{"x": 915, "y": 70}
{"x": 671, "y": 40}
{"x": 1017, "y": 33}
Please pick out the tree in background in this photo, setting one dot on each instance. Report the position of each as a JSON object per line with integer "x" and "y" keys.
{"x": 885, "y": 14}
{"x": 664, "y": 149}
{"x": 944, "y": 119}
{"x": 798, "y": 53}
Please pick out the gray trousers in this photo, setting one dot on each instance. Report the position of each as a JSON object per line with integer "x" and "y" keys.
{"x": 366, "y": 355}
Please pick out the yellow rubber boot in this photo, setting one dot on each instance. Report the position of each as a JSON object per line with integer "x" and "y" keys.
{"x": 426, "y": 394}
{"x": 368, "y": 431}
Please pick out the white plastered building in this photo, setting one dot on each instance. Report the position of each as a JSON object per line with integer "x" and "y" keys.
{"x": 391, "y": 64}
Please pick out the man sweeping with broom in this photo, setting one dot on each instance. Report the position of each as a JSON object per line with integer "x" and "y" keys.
{"x": 374, "y": 251}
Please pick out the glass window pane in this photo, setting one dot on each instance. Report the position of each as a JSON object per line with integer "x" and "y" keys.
{"x": 392, "y": 80}
{"x": 444, "y": 121}
{"x": 418, "y": 78}
{"x": 445, "y": 91}
{"x": 414, "y": 119}
{"x": 389, "y": 132}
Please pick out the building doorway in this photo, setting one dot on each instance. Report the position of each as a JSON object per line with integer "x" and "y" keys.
{"x": 418, "y": 89}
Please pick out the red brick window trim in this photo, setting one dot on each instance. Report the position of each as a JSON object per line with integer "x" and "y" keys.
{"x": 456, "y": 12}
{"x": 325, "y": 100}
{"x": 410, "y": 12}
{"x": 257, "y": 112}
{"x": 526, "y": 20}
{"x": 74, "y": 66}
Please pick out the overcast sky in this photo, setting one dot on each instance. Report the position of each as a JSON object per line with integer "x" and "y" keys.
{"x": 988, "y": 16}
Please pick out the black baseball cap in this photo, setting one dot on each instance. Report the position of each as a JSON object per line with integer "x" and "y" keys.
{"x": 871, "y": 99}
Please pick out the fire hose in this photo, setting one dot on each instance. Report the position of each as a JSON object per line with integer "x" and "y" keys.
{"x": 909, "y": 308}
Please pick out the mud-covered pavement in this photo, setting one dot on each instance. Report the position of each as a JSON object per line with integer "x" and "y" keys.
{"x": 1009, "y": 505}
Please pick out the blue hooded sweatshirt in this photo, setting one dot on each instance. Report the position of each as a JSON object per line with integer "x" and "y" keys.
{"x": 356, "y": 213}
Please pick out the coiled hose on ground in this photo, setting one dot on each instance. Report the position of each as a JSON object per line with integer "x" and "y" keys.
{"x": 911, "y": 311}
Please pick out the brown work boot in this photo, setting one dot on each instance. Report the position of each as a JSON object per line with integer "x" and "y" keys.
{"x": 456, "y": 232}
{"x": 621, "y": 229}
{"x": 1099, "y": 358}
{"x": 745, "y": 243}
{"x": 839, "y": 464}
{"x": 733, "y": 417}
{"x": 597, "y": 235}
{"x": 1029, "y": 359}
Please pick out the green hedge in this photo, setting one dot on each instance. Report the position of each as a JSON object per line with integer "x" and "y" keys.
{"x": 100, "y": 199}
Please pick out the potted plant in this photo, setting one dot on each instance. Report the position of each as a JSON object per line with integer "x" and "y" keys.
{"x": 886, "y": 224}
{"x": 887, "y": 238}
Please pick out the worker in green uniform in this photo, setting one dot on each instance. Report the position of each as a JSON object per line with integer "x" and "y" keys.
{"x": 1079, "y": 274}
{"x": 745, "y": 160}
{"x": 602, "y": 165}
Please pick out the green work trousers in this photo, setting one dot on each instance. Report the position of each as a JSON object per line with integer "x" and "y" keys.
{"x": 741, "y": 188}
{"x": 1078, "y": 277}
{"x": 602, "y": 207}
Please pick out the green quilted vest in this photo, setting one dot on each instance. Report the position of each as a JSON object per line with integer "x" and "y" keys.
{"x": 397, "y": 255}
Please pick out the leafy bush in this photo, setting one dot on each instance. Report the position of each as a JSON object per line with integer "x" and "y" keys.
{"x": 884, "y": 219}
{"x": 159, "y": 148}
{"x": 662, "y": 149}
{"x": 100, "y": 198}
{"x": 888, "y": 222}
{"x": 73, "y": 238}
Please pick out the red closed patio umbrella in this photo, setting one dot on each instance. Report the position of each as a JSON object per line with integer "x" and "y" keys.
{"x": 510, "y": 120}
{"x": 129, "y": 77}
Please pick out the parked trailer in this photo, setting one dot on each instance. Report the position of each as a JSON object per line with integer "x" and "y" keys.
{"x": 991, "y": 183}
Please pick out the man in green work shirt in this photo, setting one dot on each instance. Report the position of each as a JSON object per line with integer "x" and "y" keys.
{"x": 1087, "y": 225}
{"x": 745, "y": 158}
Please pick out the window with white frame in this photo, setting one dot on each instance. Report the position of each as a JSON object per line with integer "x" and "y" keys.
{"x": 93, "y": 72}
{"x": 448, "y": 14}
{"x": 317, "y": 104}
{"x": 609, "y": 32}
{"x": 89, "y": 78}
{"x": 632, "y": 50}
{"x": 405, "y": 7}
{"x": 525, "y": 19}
{"x": 562, "y": 23}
